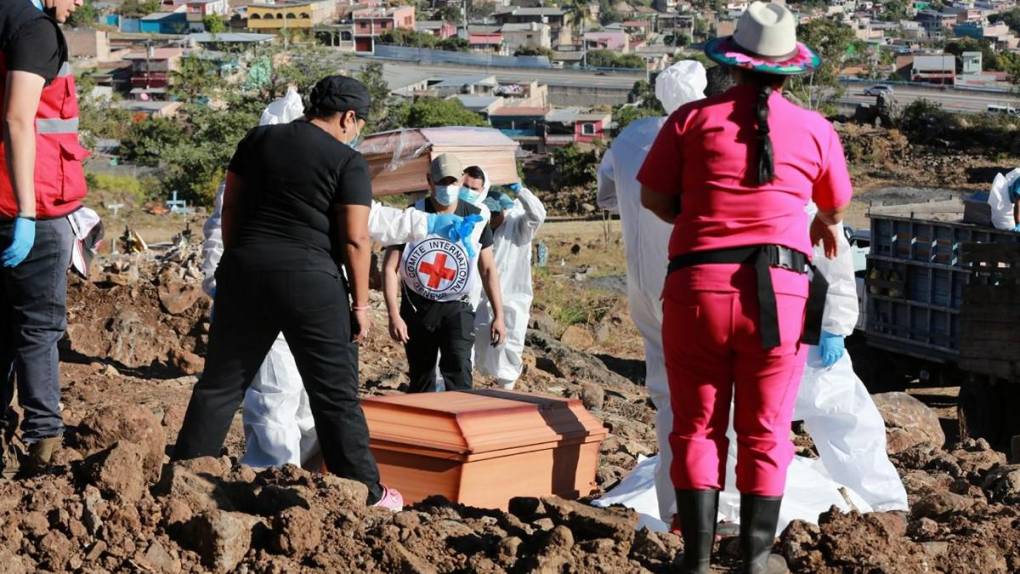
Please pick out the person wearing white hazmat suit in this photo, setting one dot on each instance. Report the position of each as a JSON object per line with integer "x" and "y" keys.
{"x": 514, "y": 224}
{"x": 645, "y": 238}
{"x": 276, "y": 414}
{"x": 838, "y": 411}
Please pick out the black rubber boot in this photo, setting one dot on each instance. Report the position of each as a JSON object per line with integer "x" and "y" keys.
{"x": 758, "y": 518}
{"x": 697, "y": 510}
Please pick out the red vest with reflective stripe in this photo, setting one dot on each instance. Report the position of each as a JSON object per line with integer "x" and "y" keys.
{"x": 59, "y": 174}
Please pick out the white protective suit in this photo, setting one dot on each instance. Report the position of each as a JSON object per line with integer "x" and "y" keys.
{"x": 998, "y": 199}
{"x": 645, "y": 239}
{"x": 277, "y": 417}
{"x": 511, "y": 247}
{"x": 836, "y": 407}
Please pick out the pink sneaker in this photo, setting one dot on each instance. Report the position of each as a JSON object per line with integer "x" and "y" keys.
{"x": 391, "y": 499}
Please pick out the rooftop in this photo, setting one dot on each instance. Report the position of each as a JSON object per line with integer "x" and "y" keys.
{"x": 538, "y": 11}
{"x": 457, "y": 81}
{"x": 230, "y": 38}
{"x": 156, "y": 54}
{"x": 520, "y": 111}
{"x": 525, "y": 27}
{"x": 476, "y": 102}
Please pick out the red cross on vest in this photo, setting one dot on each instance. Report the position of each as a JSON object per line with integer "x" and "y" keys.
{"x": 437, "y": 271}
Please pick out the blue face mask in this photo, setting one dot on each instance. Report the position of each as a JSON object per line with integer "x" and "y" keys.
{"x": 469, "y": 195}
{"x": 38, "y": 4}
{"x": 446, "y": 194}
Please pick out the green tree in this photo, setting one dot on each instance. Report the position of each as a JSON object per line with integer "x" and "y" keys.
{"x": 576, "y": 167}
{"x": 433, "y": 112}
{"x": 607, "y": 13}
{"x": 610, "y": 59}
{"x": 454, "y": 44}
{"x": 300, "y": 65}
{"x": 409, "y": 38}
{"x": 214, "y": 24}
{"x": 831, "y": 40}
{"x": 99, "y": 118}
{"x": 534, "y": 51}
{"x": 147, "y": 141}
{"x": 85, "y": 16}
{"x": 895, "y": 10}
{"x": 1011, "y": 18}
{"x": 138, "y": 8}
{"x": 624, "y": 115}
{"x": 372, "y": 77}
{"x": 449, "y": 13}
{"x": 195, "y": 78}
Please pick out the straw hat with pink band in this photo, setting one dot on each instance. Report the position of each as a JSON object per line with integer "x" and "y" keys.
{"x": 765, "y": 41}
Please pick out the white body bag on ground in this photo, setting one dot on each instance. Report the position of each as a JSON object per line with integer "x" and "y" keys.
{"x": 998, "y": 199}
{"x": 278, "y": 424}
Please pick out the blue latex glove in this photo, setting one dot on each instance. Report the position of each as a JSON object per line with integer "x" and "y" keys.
{"x": 443, "y": 223}
{"x": 831, "y": 348}
{"x": 1017, "y": 228}
{"x": 515, "y": 187}
{"x": 21, "y": 245}
{"x": 463, "y": 232}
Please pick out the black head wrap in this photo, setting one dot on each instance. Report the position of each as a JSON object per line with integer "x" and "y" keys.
{"x": 338, "y": 94}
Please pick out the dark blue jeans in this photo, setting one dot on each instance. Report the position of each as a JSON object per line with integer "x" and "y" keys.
{"x": 33, "y": 318}
{"x": 312, "y": 311}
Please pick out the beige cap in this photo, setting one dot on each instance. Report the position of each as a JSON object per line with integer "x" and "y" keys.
{"x": 444, "y": 166}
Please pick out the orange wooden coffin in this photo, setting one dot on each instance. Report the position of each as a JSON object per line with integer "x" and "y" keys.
{"x": 485, "y": 446}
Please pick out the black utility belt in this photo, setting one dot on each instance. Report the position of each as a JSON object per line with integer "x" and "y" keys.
{"x": 762, "y": 258}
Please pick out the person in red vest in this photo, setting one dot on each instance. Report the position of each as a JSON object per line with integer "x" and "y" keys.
{"x": 42, "y": 182}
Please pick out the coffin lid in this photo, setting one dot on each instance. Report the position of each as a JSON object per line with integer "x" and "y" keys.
{"x": 398, "y": 160}
{"x": 465, "y": 423}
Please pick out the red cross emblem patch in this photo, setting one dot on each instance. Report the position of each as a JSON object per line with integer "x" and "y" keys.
{"x": 437, "y": 269}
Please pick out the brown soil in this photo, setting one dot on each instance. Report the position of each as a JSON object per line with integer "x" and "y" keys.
{"x": 135, "y": 341}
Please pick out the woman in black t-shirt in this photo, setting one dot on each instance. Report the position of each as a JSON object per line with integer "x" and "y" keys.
{"x": 296, "y": 207}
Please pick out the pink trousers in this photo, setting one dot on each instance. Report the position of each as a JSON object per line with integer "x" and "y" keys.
{"x": 714, "y": 355}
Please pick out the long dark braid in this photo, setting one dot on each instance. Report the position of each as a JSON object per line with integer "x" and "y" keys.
{"x": 766, "y": 161}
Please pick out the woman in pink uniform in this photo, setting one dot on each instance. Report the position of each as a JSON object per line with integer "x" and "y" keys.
{"x": 734, "y": 173}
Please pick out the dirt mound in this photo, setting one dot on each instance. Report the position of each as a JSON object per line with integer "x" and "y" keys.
{"x": 963, "y": 519}
{"x": 102, "y": 514}
{"x": 144, "y": 313}
{"x": 113, "y": 505}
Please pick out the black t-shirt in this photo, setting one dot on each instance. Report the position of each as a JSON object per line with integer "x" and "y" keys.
{"x": 293, "y": 175}
{"x": 35, "y": 48}
{"x": 465, "y": 209}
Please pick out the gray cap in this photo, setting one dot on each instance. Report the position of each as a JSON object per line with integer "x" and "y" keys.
{"x": 444, "y": 166}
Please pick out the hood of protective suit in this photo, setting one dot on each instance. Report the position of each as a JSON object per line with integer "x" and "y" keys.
{"x": 478, "y": 199}
{"x": 681, "y": 83}
{"x": 283, "y": 110}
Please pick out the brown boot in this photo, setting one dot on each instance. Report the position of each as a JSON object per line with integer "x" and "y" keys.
{"x": 40, "y": 454}
{"x": 10, "y": 459}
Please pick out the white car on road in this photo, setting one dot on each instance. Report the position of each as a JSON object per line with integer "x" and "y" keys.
{"x": 878, "y": 90}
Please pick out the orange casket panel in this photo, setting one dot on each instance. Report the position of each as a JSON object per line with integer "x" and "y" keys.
{"x": 485, "y": 446}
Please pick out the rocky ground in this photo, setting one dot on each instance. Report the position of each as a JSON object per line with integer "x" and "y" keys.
{"x": 135, "y": 342}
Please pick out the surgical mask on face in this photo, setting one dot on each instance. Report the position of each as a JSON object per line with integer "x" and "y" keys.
{"x": 446, "y": 194}
{"x": 469, "y": 195}
{"x": 356, "y": 140}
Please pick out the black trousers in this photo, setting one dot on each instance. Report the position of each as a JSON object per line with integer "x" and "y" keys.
{"x": 33, "y": 318}
{"x": 311, "y": 308}
{"x": 433, "y": 327}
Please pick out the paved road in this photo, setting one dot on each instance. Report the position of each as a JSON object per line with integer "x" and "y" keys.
{"x": 552, "y": 77}
{"x": 951, "y": 99}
